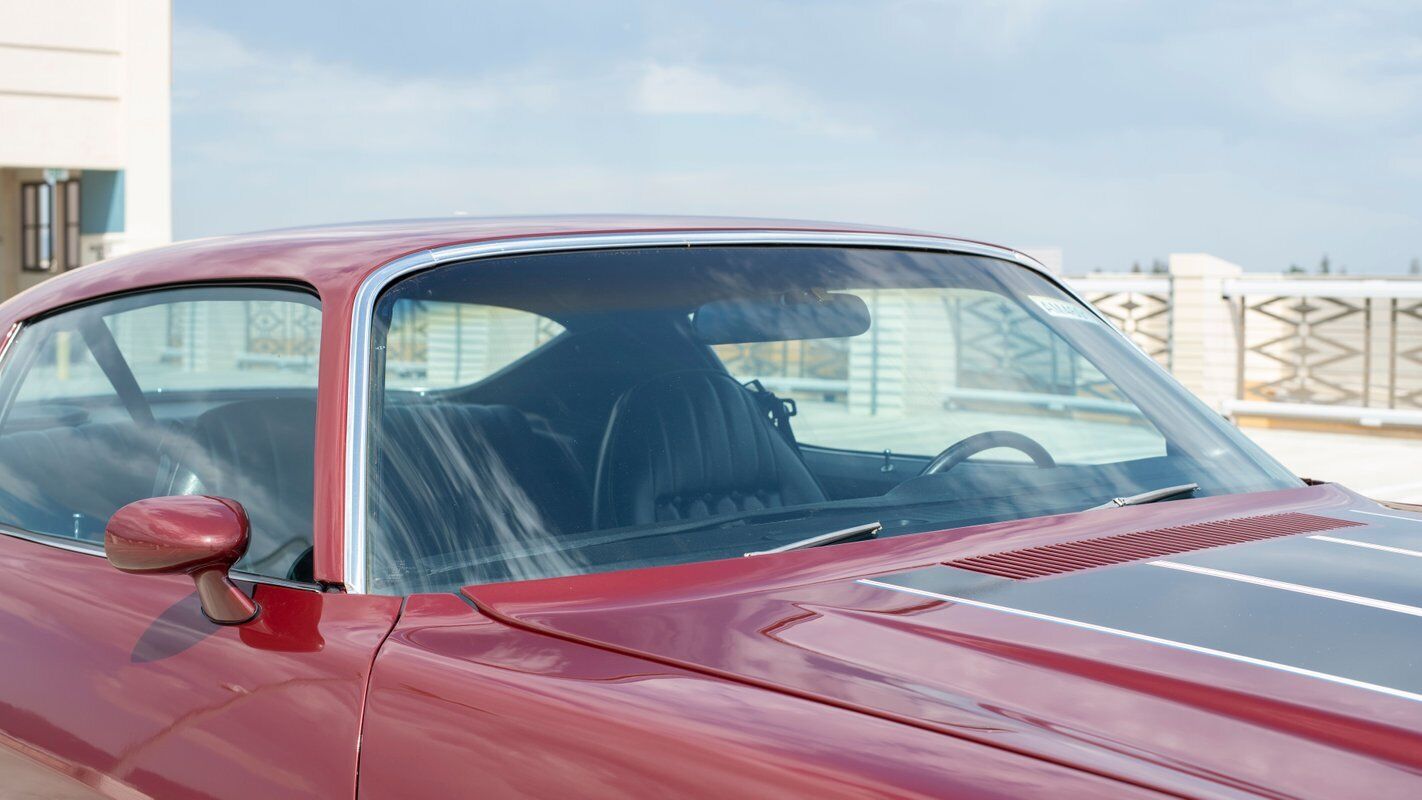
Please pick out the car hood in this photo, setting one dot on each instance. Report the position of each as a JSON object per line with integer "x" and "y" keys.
{"x": 1263, "y": 644}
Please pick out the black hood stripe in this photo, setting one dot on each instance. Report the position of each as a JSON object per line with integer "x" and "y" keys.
{"x": 1320, "y": 564}
{"x": 1314, "y": 591}
{"x": 1350, "y": 613}
{"x": 1371, "y": 545}
{"x": 1142, "y": 637}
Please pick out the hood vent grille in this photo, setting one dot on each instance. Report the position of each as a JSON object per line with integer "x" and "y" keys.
{"x": 1056, "y": 559}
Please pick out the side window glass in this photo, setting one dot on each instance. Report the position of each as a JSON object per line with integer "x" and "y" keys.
{"x": 64, "y": 369}
{"x": 189, "y": 391}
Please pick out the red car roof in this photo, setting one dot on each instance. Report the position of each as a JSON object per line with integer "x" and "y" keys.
{"x": 336, "y": 258}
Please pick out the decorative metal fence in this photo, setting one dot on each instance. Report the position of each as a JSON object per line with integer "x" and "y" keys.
{"x": 998, "y": 345}
{"x": 1345, "y": 349}
{"x": 280, "y": 335}
{"x": 1141, "y": 306}
{"x": 1328, "y": 342}
{"x": 816, "y": 366}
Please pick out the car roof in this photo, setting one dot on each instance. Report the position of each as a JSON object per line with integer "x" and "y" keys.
{"x": 335, "y": 259}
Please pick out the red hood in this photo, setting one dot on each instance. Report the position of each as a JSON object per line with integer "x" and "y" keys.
{"x": 1218, "y": 674}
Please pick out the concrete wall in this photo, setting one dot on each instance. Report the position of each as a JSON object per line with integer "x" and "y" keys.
{"x": 62, "y": 81}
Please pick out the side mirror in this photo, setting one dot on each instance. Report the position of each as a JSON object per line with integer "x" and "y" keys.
{"x": 192, "y": 534}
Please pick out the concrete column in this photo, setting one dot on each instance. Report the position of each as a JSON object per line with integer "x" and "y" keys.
{"x": 1204, "y": 343}
{"x": 9, "y": 233}
{"x": 147, "y": 87}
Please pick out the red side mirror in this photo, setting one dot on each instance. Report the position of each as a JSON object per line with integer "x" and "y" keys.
{"x": 192, "y": 534}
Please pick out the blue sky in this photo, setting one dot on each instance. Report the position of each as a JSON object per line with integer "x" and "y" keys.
{"x": 1267, "y": 133}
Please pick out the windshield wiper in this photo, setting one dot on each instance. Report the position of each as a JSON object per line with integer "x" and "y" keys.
{"x": 866, "y": 531}
{"x": 1148, "y": 497}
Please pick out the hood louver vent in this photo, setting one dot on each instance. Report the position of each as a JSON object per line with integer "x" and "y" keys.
{"x": 1056, "y": 559}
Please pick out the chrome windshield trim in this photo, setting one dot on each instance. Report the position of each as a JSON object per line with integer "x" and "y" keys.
{"x": 363, "y": 310}
{"x": 10, "y": 337}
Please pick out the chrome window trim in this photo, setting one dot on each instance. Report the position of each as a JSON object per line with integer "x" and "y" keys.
{"x": 96, "y": 550}
{"x": 251, "y": 577}
{"x": 57, "y": 542}
{"x": 363, "y": 310}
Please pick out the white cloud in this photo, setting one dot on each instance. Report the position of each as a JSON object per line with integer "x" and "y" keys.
{"x": 305, "y": 101}
{"x": 686, "y": 90}
{"x": 1372, "y": 84}
{"x": 1118, "y": 129}
{"x": 1346, "y": 66}
{"x": 680, "y": 89}
{"x": 1001, "y": 27}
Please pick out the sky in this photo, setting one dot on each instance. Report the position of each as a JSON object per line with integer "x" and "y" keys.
{"x": 1266, "y": 133}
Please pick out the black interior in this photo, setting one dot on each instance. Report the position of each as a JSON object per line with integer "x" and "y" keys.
{"x": 452, "y": 473}
{"x": 263, "y": 453}
{"x": 103, "y": 465}
{"x": 691, "y": 445}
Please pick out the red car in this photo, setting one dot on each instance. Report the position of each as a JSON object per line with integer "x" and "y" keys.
{"x": 626, "y": 507}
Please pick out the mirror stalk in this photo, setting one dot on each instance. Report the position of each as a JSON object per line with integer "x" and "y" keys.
{"x": 222, "y": 601}
{"x": 199, "y": 536}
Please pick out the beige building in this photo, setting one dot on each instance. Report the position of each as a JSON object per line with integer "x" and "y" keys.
{"x": 84, "y": 133}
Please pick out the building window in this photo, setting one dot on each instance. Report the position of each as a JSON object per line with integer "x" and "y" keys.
{"x": 49, "y": 231}
{"x": 36, "y": 204}
{"x": 66, "y": 223}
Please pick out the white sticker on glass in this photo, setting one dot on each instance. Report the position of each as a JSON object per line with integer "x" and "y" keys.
{"x": 1064, "y": 308}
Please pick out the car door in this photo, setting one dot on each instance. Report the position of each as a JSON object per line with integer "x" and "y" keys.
{"x": 117, "y": 685}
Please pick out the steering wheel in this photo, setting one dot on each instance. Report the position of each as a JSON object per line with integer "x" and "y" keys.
{"x": 987, "y": 440}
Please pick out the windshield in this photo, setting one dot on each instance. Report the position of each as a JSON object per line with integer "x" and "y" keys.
{"x": 557, "y": 414}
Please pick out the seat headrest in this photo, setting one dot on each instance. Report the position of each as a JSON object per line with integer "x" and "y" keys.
{"x": 687, "y": 445}
{"x": 262, "y": 453}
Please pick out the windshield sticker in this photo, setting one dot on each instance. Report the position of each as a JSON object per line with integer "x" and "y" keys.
{"x": 1064, "y": 308}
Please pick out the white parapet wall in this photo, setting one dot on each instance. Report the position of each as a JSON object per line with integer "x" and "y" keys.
{"x": 1203, "y": 342}
{"x": 1324, "y": 349}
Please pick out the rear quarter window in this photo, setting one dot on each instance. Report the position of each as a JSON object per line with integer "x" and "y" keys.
{"x": 441, "y": 345}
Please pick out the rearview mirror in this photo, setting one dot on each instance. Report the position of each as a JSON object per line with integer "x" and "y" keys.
{"x": 782, "y": 317}
{"x": 191, "y": 534}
